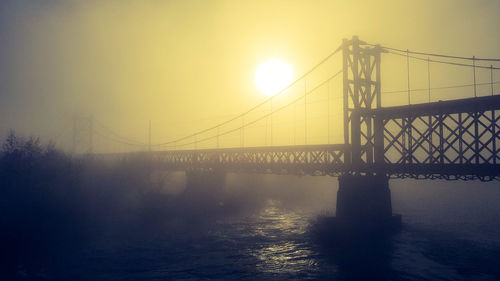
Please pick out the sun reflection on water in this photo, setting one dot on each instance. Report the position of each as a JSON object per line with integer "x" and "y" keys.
{"x": 284, "y": 249}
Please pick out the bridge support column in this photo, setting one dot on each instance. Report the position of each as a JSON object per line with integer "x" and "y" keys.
{"x": 364, "y": 201}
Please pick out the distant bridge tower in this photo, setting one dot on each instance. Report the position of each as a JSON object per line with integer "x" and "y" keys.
{"x": 82, "y": 135}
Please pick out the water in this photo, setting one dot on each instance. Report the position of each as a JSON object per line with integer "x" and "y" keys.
{"x": 451, "y": 231}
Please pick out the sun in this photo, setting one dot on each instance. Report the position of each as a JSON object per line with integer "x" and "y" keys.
{"x": 272, "y": 76}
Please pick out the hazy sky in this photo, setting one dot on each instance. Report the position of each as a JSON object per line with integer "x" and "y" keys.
{"x": 188, "y": 64}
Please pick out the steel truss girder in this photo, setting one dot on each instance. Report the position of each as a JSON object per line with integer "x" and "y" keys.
{"x": 299, "y": 160}
{"x": 457, "y": 139}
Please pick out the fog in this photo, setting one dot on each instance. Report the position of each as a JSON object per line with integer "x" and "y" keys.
{"x": 154, "y": 71}
{"x": 54, "y": 206}
{"x": 84, "y": 218}
{"x": 187, "y": 65}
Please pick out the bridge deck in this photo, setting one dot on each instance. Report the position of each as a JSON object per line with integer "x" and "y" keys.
{"x": 312, "y": 160}
{"x": 301, "y": 159}
{"x": 468, "y": 105}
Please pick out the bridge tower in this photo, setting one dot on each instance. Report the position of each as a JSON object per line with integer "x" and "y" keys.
{"x": 361, "y": 91}
{"x": 364, "y": 197}
{"x": 82, "y": 135}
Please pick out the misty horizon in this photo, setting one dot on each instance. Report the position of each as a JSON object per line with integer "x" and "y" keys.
{"x": 249, "y": 140}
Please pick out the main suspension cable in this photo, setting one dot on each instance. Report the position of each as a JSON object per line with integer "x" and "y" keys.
{"x": 258, "y": 105}
{"x": 434, "y": 54}
{"x": 262, "y": 117}
{"x": 444, "y": 62}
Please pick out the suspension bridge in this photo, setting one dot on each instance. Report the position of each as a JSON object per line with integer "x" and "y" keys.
{"x": 366, "y": 143}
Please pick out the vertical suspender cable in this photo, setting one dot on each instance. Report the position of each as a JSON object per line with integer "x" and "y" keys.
{"x": 305, "y": 111}
{"x": 149, "y": 137}
{"x": 328, "y": 123}
{"x": 91, "y": 134}
{"x": 294, "y": 124}
{"x": 429, "y": 78}
{"x": 474, "y": 70}
{"x": 430, "y": 116}
{"x": 491, "y": 78}
{"x": 408, "y": 71}
{"x": 242, "y": 132}
{"x": 271, "y": 140}
{"x": 218, "y": 136}
{"x": 267, "y": 129}
{"x": 73, "y": 149}
{"x": 405, "y": 145}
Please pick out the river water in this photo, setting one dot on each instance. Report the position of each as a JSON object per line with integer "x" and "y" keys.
{"x": 451, "y": 231}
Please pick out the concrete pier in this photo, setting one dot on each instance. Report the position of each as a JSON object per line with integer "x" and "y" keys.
{"x": 364, "y": 201}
